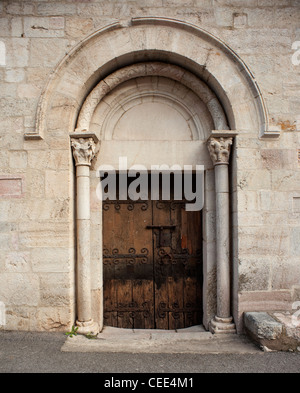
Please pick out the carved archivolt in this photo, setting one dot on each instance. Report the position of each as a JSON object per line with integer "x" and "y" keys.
{"x": 151, "y": 108}
{"x": 172, "y": 72}
{"x": 99, "y": 52}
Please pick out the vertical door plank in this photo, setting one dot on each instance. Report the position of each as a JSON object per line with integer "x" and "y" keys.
{"x": 110, "y": 304}
{"x": 125, "y": 319}
{"x": 176, "y": 315}
{"x": 162, "y": 265}
{"x": 143, "y": 293}
{"x": 193, "y": 269}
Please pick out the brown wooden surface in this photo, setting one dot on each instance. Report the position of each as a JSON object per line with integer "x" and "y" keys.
{"x": 152, "y": 275}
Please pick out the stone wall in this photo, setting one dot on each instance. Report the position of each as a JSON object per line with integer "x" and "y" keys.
{"x": 37, "y": 260}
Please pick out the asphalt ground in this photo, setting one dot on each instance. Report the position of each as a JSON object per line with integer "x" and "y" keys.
{"x": 27, "y": 352}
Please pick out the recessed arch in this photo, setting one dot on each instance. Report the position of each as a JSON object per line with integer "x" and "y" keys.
{"x": 153, "y": 39}
{"x": 151, "y": 99}
{"x": 195, "y": 57}
{"x": 174, "y": 73}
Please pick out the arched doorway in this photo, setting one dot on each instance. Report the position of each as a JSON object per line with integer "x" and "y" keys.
{"x": 152, "y": 114}
{"x": 152, "y": 262}
{"x": 152, "y": 249}
{"x": 76, "y": 87}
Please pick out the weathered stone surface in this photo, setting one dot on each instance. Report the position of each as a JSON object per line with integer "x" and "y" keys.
{"x": 53, "y": 319}
{"x": 41, "y": 56}
{"x": 20, "y": 289}
{"x": 296, "y": 241}
{"x": 291, "y": 322}
{"x": 44, "y": 27}
{"x": 10, "y": 186}
{"x": 273, "y": 331}
{"x": 40, "y": 98}
{"x": 263, "y": 325}
{"x": 77, "y": 27}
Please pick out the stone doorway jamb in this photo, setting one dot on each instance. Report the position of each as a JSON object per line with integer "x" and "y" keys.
{"x": 84, "y": 150}
{"x": 219, "y": 146}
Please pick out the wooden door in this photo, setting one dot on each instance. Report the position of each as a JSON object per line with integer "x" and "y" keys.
{"x": 177, "y": 266}
{"x": 152, "y": 259}
{"x": 128, "y": 265}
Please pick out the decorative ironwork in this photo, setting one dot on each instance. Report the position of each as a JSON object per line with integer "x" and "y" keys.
{"x": 130, "y": 258}
{"x": 173, "y": 257}
{"x": 130, "y": 205}
{"x": 132, "y": 308}
{"x": 176, "y": 311}
{"x": 158, "y": 286}
{"x": 172, "y": 205}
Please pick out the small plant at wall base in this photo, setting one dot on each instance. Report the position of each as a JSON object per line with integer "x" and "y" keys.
{"x": 91, "y": 336}
{"x": 73, "y": 332}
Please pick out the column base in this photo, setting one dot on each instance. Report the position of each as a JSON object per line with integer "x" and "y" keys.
{"x": 89, "y": 327}
{"x": 222, "y": 326}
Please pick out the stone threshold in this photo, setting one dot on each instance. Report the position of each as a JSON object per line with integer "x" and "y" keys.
{"x": 274, "y": 331}
{"x": 191, "y": 340}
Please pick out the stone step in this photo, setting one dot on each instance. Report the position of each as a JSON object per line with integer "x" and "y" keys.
{"x": 274, "y": 331}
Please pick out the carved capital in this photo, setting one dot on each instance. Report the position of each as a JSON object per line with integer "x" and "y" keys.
{"x": 219, "y": 149}
{"x": 84, "y": 150}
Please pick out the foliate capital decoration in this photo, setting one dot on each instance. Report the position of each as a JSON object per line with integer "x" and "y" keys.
{"x": 219, "y": 149}
{"x": 84, "y": 150}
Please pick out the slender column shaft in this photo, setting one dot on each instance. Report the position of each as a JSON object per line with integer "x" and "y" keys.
{"x": 223, "y": 249}
{"x": 84, "y": 308}
{"x": 83, "y": 152}
{"x": 220, "y": 147}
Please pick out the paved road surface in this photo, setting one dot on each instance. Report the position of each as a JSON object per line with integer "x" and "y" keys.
{"x": 41, "y": 353}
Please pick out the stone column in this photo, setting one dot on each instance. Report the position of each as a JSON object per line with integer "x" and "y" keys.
{"x": 84, "y": 147}
{"x": 219, "y": 146}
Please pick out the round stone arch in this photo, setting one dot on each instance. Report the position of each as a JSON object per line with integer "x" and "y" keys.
{"x": 66, "y": 103}
{"x": 169, "y": 71}
{"x": 152, "y": 39}
{"x": 200, "y": 108}
{"x": 188, "y": 95}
